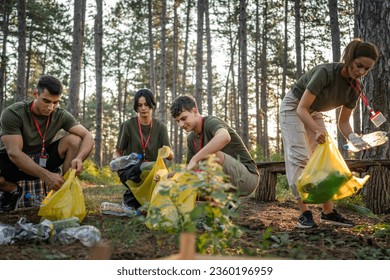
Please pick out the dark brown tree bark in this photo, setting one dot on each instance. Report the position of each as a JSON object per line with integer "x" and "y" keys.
{"x": 264, "y": 99}
{"x": 336, "y": 53}
{"x": 163, "y": 64}
{"x": 298, "y": 48}
{"x": 99, "y": 81}
{"x": 21, "y": 88}
{"x": 374, "y": 27}
{"x": 244, "y": 72}
{"x": 209, "y": 61}
{"x": 3, "y": 64}
{"x": 199, "y": 56}
{"x": 174, "y": 126}
{"x": 152, "y": 72}
{"x": 257, "y": 75}
{"x": 77, "y": 54}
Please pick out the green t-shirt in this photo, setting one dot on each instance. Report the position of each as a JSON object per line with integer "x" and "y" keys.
{"x": 234, "y": 148}
{"x": 329, "y": 87}
{"x": 129, "y": 138}
{"x": 17, "y": 120}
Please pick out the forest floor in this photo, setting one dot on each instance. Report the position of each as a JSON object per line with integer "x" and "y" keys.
{"x": 268, "y": 232}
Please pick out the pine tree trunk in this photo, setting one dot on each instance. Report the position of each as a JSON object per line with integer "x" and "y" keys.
{"x": 264, "y": 70}
{"x": 199, "y": 57}
{"x": 257, "y": 77}
{"x": 298, "y": 48}
{"x": 77, "y": 52}
{"x": 244, "y": 73}
{"x": 378, "y": 189}
{"x": 209, "y": 61}
{"x": 21, "y": 50}
{"x": 3, "y": 62}
{"x": 99, "y": 81}
{"x": 374, "y": 27}
{"x": 163, "y": 64}
{"x": 152, "y": 72}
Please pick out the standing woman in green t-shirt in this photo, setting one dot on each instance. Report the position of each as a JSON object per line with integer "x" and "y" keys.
{"x": 143, "y": 135}
{"x": 323, "y": 88}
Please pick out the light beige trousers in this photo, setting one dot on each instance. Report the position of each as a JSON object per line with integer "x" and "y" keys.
{"x": 298, "y": 141}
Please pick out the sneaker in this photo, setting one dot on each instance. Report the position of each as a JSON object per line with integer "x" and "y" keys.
{"x": 10, "y": 200}
{"x": 306, "y": 220}
{"x": 335, "y": 218}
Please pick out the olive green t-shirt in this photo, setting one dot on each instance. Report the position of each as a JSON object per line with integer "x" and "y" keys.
{"x": 129, "y": 138}
{"x": 17, "y": 120}
{"x": 234, "y": 148}
{"x": 329, "y": 87}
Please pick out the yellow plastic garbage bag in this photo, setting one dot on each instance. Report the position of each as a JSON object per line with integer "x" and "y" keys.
{"x": 65, "y": 203}
{"x": 175, "y": 198}
{"x": 144, "y": 189}
{"x": 327, "y": 176}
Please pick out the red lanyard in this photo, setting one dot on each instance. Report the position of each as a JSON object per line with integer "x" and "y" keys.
{"x": 200, "y": 140}
{"x": 360, "y": 93}
{"x": 143, "y": 143}
{"x": 39, "y": 129}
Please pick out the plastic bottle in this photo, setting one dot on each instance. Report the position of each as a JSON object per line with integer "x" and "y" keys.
{"x": 124, "y": 161}
{"x": 350, "y": 147}
{"x": 115, "y": 209}
{"x": 66, "y": 223}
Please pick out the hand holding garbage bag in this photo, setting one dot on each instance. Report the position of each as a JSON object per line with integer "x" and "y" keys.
{"x": 327, "y": 176}
{"x": 65, "y": 203}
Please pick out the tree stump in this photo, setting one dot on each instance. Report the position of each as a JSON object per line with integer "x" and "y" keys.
{"x": 378, "y": 189}
{"x": 265, "y": 191}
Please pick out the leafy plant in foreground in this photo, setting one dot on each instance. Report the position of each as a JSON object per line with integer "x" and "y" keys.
{"x": 209, "y": 217}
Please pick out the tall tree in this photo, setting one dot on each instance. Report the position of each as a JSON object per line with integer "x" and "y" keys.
{"x": 374, "y": 27}
{"x": 4, "y": 59}
{"x": 357, "y": 124}
{"x": 99, "y": 80}
{"x": 336, "y": 54}
{"x": 77, "y": 55}
{"x": 21, "y": 88}
{"x": 257, "y": 75}
{"x": 244, "y": 72}
{"x": 298, "y": 48}
{"x": 285, "y": 49}
{"x": 209, "y": 60}
{"x": 152, "y": 73}
{"x": 175, "y": 79}
{"x": 199, "y": 56}
{"x": 163, "y": 64}
{"x": 179, "y": 155}
{"x": 264, "y": 95}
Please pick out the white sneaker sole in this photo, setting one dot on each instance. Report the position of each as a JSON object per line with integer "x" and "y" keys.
{"x": 299, "y": 225}
{"x": 329, "y": 222}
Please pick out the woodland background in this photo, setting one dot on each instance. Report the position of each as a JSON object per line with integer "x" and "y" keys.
{"x": 238, "y": 58}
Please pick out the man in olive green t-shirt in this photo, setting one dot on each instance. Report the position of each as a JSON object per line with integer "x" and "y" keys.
{"x": 211, "y": 135}
{"x": 27, "y": 150}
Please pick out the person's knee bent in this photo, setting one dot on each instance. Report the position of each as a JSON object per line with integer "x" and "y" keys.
{"x": 70, "y": 143}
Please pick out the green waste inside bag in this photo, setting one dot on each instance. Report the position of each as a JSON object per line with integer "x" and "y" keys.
{"x": 324, "y": 190}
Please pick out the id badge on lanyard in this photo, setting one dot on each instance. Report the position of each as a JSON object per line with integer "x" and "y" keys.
{"x": 43, "y": 157}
